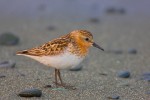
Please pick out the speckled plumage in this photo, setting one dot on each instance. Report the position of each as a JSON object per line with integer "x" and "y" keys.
{"x": 64, "y": 52}
{"x": 59, "y": 45}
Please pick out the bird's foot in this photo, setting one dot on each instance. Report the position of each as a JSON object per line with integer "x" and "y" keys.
{"x": 66, "y": 86}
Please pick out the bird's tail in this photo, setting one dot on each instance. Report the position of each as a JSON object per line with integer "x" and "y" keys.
{"x": 21, "y": 52}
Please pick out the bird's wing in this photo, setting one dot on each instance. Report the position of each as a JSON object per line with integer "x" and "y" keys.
{"x": 53, "y": 47}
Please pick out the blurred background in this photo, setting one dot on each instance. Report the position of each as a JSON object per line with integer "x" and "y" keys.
{"x": 121, "y": 27}
{"x": 107, "y": 20}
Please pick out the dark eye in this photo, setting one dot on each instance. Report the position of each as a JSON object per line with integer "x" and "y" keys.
{"x": 87, "y": 39}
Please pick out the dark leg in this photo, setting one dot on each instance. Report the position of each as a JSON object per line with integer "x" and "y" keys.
{"x": 59, "y": 75}
{"x": 56, "y": 73}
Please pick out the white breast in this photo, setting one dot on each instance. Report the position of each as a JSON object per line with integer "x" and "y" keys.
{"x": 65, "y": 60}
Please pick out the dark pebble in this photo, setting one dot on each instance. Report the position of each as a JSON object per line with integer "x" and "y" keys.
{"x": 117, "y": 51}
{"x": 94, "y": 20}
{"x": 121, "y": 11}
{"x": 7, "y": 64}
{"x": 48, "y": 86}
{"x": 77, "y": 68}
{"x": 123, "y": 74}
{"x": 132, "y": 51}
{"x": 30, "y": 93}
{"x": 115, "y": 97}
{"x": 8, "y": 39}
{"x": 111, "y": 10}
{"x": 2, "y": 76}
{"x": 51, "y": 28}
{"x": 148, "y": 92}
{"x": 146, "y": 76}
{"x": 104, "y": 74}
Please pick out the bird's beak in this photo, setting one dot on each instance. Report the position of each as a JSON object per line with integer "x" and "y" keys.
{"x": 97, "y": 46}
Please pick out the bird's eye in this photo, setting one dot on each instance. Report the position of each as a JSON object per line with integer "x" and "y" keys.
{"x": 87, "y": 39}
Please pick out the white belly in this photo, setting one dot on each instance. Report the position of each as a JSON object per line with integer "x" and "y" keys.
{"x": 65, "y": 60}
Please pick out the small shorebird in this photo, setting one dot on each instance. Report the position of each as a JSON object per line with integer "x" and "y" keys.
{"x": 64, "y": 52}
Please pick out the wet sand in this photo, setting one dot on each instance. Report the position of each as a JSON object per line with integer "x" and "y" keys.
{"x": 113, "y": 32}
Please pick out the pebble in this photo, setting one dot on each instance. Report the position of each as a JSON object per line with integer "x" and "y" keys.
{"x": 118, "y": 51}
{"x": 7, "y": 64}
{"x": 2, "y": 76}
{"x": 148, "y": 92}
{"x": 123, "y": 84}
{"x": 132, "y": 51}
{"x": 123, "y": 74}
{"x": 113, "y": 10}
{"x": 94, "y": 20}
{"x": 8, "y": 39}
{"x": 48, "y": 86}
{"x": 51, "y": 28}
{"x": 104, "y": 74}
{"x": 122, "y": 11}
{"x": 77, "y": 68}
{"x": 30, "y": 93}
{"x": 146, "y": 76}
{"x": 115, "y": 97}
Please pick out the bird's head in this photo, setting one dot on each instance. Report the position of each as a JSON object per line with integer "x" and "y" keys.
{"x": 84, "y": 38}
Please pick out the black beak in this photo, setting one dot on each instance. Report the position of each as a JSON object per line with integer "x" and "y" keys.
{"x": 97, "y": 46}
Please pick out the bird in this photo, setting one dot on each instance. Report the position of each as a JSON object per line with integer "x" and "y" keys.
{"x": 64, "y": 52}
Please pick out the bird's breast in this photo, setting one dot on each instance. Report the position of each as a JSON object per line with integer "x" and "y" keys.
{"x": 61, "y": 61}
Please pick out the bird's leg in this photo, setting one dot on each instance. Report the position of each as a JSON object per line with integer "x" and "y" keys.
{"x": 63, "y": 84}
{"x": 59, "y": 75}
{"x": 56, "y": 73}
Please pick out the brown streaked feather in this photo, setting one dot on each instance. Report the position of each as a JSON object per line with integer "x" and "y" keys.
{"x": 53, "y": 47}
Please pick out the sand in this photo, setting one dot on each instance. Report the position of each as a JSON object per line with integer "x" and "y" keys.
{"x": 113, "y": 32}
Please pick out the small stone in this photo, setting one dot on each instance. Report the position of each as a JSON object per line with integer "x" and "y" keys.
{"x": 124, "y": 84}
{"x": 30, "y": 93}
{"x": 122, "y": 11}
{"x": 118, "y": 51}
{"x": 148, "y": 92}
{"x": 8, "y": 39}
{"x": 111, "y": 10}
{"x": 94, "y": 20}
{"x": 123, "y": 74}
{"x": 7, "y": 64}
{"x": 51, "y": 28}
{"x": 115, "y": 97}
{"x": 76, "y": 68}
{"x": 132, "y": 51}
{"x": 146, "y": 76}
{"x": 104, "y": 74}
{"x": 48, "y": 86}
{"x": 2, "y": 76}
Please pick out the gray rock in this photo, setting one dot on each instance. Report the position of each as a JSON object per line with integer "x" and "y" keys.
{"x": 8, "y": 39}
{"x": 148, "y": 92}
{"x": 111, "y": 10}
{"x": 77, "y": 68}
{"x": 121, "y": 11}
{"x": 7, "y": 64}
{"x": 115, "y": 97}
{"x": 123, "y": 74}
{"x": 94, "y": 20}
{"x": 2, "y": 76}
{"x": 146, "y": 76}
{"x": 118, "y": 51}
{"x": 51, "y": 28}
{"x": 132, "y": 51}
{"x": 114, "y": 10}
{"x": 30, "y": 93}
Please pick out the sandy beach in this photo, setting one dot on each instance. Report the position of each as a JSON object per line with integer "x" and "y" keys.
{"x": 98, "y": 78}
